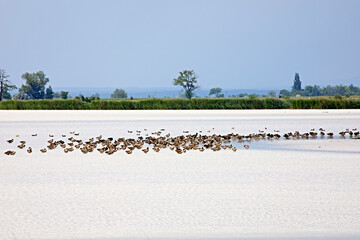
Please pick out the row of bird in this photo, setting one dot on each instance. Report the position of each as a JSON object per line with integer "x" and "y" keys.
{"x": 179, "y": 144}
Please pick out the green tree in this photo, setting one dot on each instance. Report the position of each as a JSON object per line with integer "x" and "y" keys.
{"x": 64, "y": 95}
{"x": 187, "y": 80}
{"x": 352, "y": 90}
{"x": 35, "y": 85}
{"x": 56, "y": 95}
{"x": 272, "y": 93}
{"x": 49, "y": 93}
{"x": 5, "y": 85}
{"x": 119, "y": 93}
{"x": 285, "y": 93}
{"x": 296, "y": 88}
{"x": 215, "y": 91}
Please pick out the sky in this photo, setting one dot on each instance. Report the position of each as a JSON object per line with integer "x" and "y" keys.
{"x": 243, "y": 44}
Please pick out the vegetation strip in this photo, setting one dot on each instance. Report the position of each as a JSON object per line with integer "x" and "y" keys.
{"x": 267, "y": 103}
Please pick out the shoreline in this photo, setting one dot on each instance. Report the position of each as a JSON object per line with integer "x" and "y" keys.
{"x": 110, "y": 115}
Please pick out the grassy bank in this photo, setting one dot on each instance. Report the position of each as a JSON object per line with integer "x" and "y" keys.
{"x": 227, "y": 103}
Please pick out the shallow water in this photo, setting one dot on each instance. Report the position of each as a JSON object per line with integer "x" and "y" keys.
{"x": 300, "y": 189}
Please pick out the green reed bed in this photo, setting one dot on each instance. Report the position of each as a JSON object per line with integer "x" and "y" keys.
{"x": 203, "y": 103}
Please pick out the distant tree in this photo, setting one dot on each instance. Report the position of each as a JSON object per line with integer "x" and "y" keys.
{"x": 311, "y": 91}
{"x": 119, "y": 93}
{"x": 64, "y": 95}
{"x": 35, "y": 85}
{"x": 352, "y": 90}
{"x": 285, "y": 93}
{"x": 241, "y": 95}
{"x": 272, "y": 94}
{"x": 56, "y": 95}
{"x": 296, "y": 88}
{"x": 49, "y": 93}
{"x": 187, "y": 80}
{"x": 215, "y": 91}
{"x": 5, "y": 85}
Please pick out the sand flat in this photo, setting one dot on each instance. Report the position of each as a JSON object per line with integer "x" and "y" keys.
{"x": 103, "y": 115}
{"x": 286, "y": 189}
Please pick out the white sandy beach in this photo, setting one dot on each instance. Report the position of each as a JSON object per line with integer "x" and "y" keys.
{"x": 306, "y": 189}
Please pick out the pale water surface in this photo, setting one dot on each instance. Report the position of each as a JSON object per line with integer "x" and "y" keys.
{"x": 294, "y": 189}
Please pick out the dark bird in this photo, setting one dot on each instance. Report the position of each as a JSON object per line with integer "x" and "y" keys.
{"x": 9, "y": 152}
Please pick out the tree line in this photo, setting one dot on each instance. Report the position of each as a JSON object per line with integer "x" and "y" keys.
{"x": 35, "y": 88}
{"x": 315, "y": 90}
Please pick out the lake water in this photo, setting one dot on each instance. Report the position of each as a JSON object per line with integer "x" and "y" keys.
{"x": 301, "y": 189}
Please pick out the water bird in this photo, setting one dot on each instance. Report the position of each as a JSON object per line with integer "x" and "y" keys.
{"x": 246, "y": 146}
{"x": 29, "y": 150}
{"x": 9, "y": 152}
{"x": 43, "y": 150}
{"x": 84, "y": 150}
{"x": 10, "y": 141}
{"x": 34, "y": 135}
{"x": 21, "y": 146}
{"x": 145, "y": 150}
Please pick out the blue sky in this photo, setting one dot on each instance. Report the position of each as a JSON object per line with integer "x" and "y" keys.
{"x": 244, "y": 44}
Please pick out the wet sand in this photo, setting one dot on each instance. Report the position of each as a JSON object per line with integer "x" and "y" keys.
{"x": 300, "y": 189}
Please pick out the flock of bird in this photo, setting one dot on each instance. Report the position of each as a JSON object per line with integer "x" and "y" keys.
{"x": 180, "y": 144}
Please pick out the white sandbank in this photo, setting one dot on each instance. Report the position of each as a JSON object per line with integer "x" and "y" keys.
{"x": 289, "y": 189}
{"x": 103, "y": 115}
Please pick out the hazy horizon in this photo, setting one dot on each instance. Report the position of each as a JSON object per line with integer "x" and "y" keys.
{"x": 230, "y": 44}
